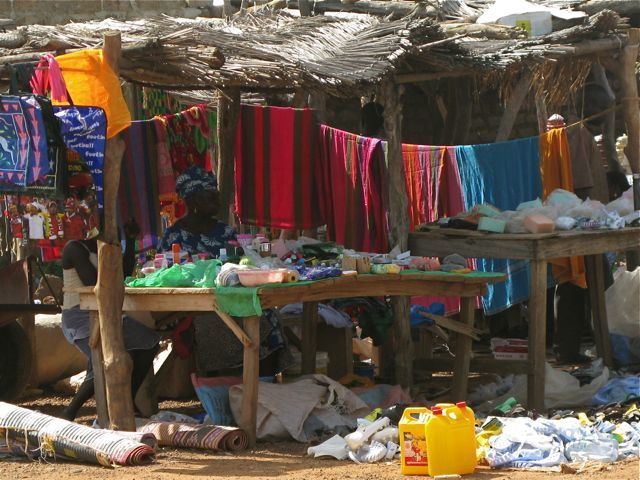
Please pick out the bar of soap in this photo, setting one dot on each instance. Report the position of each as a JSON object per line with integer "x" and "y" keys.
{"x": 528, "y": 205}
{"x": 488, "y": 210}
{"x": 495, "y": 225}
{"x": 538, "y": 223}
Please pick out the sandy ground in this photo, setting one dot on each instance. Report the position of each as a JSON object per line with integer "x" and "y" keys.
{"x": 266, "y": 461}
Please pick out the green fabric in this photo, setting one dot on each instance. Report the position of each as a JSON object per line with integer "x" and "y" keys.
{"x": 239, "y": 301}
{"x": 198, "y": 274}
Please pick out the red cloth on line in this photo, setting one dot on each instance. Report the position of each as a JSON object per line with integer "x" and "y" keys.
{"x": 278, "y": 169}
{"x": 356, "y": 190}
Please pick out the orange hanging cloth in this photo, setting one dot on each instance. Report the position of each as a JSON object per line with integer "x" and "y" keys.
{"x": 91, "y": 82}
{"x": 555, "y": 166}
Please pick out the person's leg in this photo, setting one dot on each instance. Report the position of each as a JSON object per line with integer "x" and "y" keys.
{"x": 86, "y": 390}
{"x": 142, "y": 362}
{"x": 571, "y": 312}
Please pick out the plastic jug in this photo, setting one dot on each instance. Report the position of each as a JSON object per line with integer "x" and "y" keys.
{"x": 451, "y": 440}
{"x": 413, "y": 445}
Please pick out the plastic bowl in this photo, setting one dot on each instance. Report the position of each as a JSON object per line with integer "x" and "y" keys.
{"x": 253, "y": 278}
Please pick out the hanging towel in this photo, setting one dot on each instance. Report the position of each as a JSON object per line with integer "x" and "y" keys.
{"x": 138, "y": 195}
{"x": 24, "y": 156}
{"x": 503, "y": 174}
{"x": 91, "y": 81}
{"x": 433, "y": 191}
{"x": 356, "y": 190}
{"x": 556, "y": 171}
{"x": 166, "y": 176}
{"x": 278, "y": 169}
{"x": 84, "y": 131}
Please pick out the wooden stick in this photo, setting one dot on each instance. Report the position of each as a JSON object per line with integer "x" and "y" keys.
{"x": 233, "y": 326}
{"x": 228, "y": 114}
{"x": 463, "y": 351}
{"x": 453, "y": 325}
{"x": 98, "y": 371}
{"x": 398, "y": 229}
{"x": 426, "y": 76}
{"x": 541, "y": 112}
{"x": 109, "y": 289}
{"x": 629, "y": 85}
{"x": 250, "y": 370}
{"x": 512, "y": 108}
{"x": 537, "y": 335}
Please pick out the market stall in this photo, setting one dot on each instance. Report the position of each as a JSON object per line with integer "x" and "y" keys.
{"x": 204, "y": 299}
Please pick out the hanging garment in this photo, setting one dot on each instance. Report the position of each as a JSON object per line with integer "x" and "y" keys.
{"x": 503, "y": 174}
{"x": 91, "y": 81}
{"x": 166, "y": 177}
{"x": 556, "y": 171}
{"x": 20, "y": 75}
{"x": 278, "y": 168}
{"x": 433, "y": 191}
{"x": 356, "y": 190}
{"x": 24, "y": 158}
{"x": 138, "y": 196}
{"x": 48, "y": 78}
{"x": 84, "y": 131}
{"x": 181, "y": 138}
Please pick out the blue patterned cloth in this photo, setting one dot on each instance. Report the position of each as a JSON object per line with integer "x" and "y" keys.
{"x": 210, "y": 243}
{"x": 195, "y": 179}
{"x": 503, "y": 174}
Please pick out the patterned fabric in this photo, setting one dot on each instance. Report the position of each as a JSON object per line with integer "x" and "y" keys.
{"x": 181, "y": 139}
{"x": 210, "y": 243}
{"x": 278, "y": 168}
{"x": 193, "y": 180}
{"x": 23, "y": 143}
{"x": 206, "y": 437}
{"x": 503, "y": 174}
{"x": 138, "y": 195}
{"x": 91, "y": 81}
{"x": 84, "y": 131}
{"x": 356, "y": 190}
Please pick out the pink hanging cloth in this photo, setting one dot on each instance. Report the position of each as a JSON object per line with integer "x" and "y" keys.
{"x": 48, "y": 77}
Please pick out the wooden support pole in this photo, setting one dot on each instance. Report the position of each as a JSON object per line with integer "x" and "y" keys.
{"x": 97, "y": 362}
{"x": 309, "y": 336}
{"x": 398, "y": 228}
{"x": 109, "y": 289}
{"x": 512, "y": 107}
{"x": 595, "y": 280}
{"x": 250, "y": 370}
{"x": 305, "y": 8}
{"x": 228, "y": 115}
{"x": 541, "y": 112}
{"x": 630, "y": 103}
{"x": 463, "y": 351}
{"x": 537, "y": 335}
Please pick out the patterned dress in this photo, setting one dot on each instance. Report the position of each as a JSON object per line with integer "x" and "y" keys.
{"x": 194, "y": 243}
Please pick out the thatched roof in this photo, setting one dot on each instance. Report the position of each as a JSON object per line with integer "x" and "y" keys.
{"x": 344, "y": 54}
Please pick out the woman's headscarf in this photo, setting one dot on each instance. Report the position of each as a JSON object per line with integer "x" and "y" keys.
{"x": 195, "y": 179}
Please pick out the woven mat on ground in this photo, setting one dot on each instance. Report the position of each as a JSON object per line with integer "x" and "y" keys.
{"x": 36, "y": 435}
{"x": 205, "y": 437}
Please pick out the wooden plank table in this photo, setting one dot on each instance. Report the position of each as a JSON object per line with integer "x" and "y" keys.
{"x": 539, "y": 249}
{"x": 247, "y": 330}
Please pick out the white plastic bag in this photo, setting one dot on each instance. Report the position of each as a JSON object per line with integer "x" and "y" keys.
{"x": 623, "y": 303}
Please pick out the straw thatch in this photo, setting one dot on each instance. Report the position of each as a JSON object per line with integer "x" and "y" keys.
{"x": 344, "y": 55}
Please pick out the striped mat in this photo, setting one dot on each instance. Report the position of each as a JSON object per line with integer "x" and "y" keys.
{"x": 204, "y": 437}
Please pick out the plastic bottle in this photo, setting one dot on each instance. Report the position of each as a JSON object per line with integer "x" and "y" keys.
{"x": 599, "y": 449}
{"x": 451, "y": 441}
{"x": 413, "y": 444}
{"x": 175, "y": 253}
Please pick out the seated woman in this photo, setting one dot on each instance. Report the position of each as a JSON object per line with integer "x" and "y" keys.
{"x": 79, "y": 264}
{"x": 200, "y": 231}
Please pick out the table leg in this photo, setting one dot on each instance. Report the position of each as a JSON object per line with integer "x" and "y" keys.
{"x": 463, "y": 351}
{"x": 537, "y": 334}
{"x": 250, "y": 371}
{"x": 98, "y": 372}
{"x": 309, "y": 336}
{"x": 338, "y": 343}
{"x": 595, "y": 281}
{"x": 403, "y": 346}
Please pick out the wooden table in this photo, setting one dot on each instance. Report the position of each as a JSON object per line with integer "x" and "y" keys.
{"x": 204, "y": 300}
{"x": 539, "y": 249}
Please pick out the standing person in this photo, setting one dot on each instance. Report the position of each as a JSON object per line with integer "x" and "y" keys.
{"x": 79, "y": 263}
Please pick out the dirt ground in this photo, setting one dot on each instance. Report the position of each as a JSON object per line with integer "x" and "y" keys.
{"x": 266, "y": 461}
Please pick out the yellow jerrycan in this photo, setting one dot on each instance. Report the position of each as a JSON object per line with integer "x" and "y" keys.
{"x": 413, "y": 445}
{"x": 451, "y": 440}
